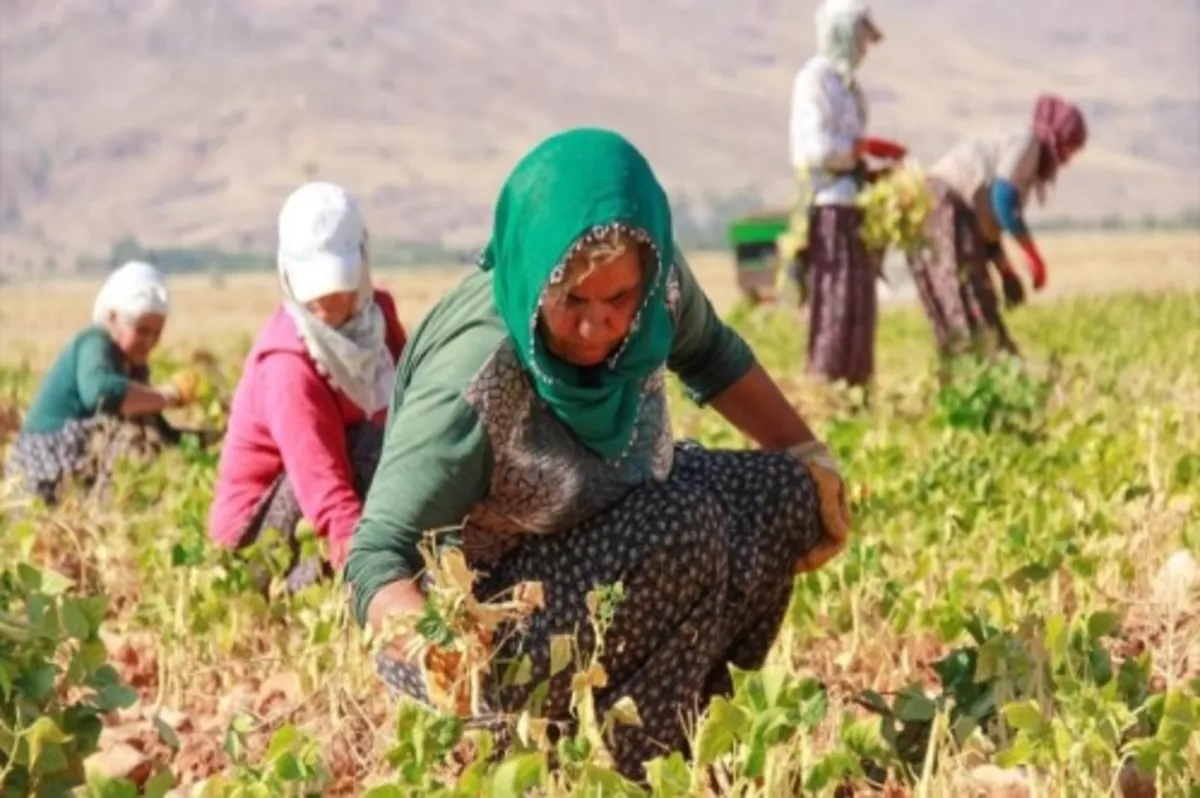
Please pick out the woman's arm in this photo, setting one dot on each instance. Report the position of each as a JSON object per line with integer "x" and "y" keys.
{"x": 435, "y": 467}
{"x": 1008, "y": 194}
{"x": 713, "y": 360}
{"x": 104, "y": 386}
{"x": 299, "y": 409}
{"x": 396, "y": 335}
{"x": 717, "y": 367}
{"x": 755, "y": 405}
{"x": 141, "y": 400}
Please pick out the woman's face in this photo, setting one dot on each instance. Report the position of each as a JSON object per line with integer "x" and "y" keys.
{"x": 333, "y": 310}
{"x": 137, "y": 339}
{"x": 588, "y": 322}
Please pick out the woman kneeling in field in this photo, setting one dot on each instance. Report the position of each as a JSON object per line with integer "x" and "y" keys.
{"x": 980, "y": 190}
{"x": 95, "y": 404}
{"x": 530, "y": 413}
{"x": 305, "y": 427}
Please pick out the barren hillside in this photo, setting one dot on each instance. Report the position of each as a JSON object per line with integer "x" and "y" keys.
{"x": 185, "y": 123}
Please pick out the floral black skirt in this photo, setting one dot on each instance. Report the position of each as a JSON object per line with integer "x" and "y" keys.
{"x": 706, "y": 562}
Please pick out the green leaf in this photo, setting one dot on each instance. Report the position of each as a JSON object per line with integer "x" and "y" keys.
{"x": 515, "y": 775}
{"x": 166, "y": 734}
{"x": 1101, "y": 624}
{"x": 385, "y": 791}
{"x": 115, "y": 696}
{"x": 561, "y": 647}
{"x": 55, "y": 584}
{"x": 624, "y": 712}
{"x": 158, "y": 785}
{"x": 669, "y": 777}
{"x": 875, "y": 702}
{"x": 282, "y": 742}
{"x": 1023, "y": 578}
{"x": 608, "y": 783}
{"x": 75, "y": 621}
{"x": 37, "y": 683}
{"x": 41, "y": 732}
{"x": 1024, "y": 715}
{"x": 913, "y": 706}
{"x": 718, "y": 731}
{"x": 524, "y": 672}
{"x": 31, "y": 578}
{"x": 286, "y": 767}
{"x": 1186, "y": 471}
{"x": 118, "y": 788}
{"x": 774, "y": 682}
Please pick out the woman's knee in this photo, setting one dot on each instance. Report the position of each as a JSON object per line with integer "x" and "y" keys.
{"x": 686, "y": 516}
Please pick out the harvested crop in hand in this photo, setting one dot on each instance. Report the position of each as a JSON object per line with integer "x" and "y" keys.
{"x": 455, "y": 634}
{"x": 188, "y": 385}
{"x": 894, "y": 210}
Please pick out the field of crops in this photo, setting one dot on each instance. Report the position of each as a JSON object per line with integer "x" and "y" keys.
{"x": 1018, "y": 614}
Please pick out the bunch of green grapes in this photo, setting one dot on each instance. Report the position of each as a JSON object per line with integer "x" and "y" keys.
{"x": 895, "y": 208}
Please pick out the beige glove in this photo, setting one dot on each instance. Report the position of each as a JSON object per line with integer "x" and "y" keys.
{"x": 831, "y": 498}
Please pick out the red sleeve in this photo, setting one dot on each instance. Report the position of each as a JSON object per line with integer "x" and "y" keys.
{"x": 303, "y": 417}
{"x": 396, "y": 337}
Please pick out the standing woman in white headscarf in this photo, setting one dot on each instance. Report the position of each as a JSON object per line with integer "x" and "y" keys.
{"x": 99, "y": 386}
{"x": 828, "y": 146}
{"x": 306, "y": 424}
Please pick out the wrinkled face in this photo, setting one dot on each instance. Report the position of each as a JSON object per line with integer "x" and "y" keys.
{"x": 588, "y": 321}
{"x": 137, "y": 338}
{"x": 333, "y": 309}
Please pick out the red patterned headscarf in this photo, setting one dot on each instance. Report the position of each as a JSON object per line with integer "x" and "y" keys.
{"x": 1061, "y": 128}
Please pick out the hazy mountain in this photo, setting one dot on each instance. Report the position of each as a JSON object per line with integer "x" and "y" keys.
{"x": 186, "y": 123}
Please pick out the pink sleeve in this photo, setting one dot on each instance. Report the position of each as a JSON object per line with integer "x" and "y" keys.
{"x": 303, "y": 417}
{"x": 395, "y": 330}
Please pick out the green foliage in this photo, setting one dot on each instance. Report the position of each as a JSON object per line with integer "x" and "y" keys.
{"x": 55, "y": 682}
{"x": 993, "y": 604}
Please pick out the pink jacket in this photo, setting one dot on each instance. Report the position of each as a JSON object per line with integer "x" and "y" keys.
{"x": 287, "y": 417}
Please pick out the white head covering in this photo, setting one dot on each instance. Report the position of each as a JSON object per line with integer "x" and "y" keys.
{"x": 132, "y": 291}
{"x": 838, "y": 24}
{"x": 322, "y": 239}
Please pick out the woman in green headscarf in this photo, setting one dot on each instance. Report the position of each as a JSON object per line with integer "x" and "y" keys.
{"x": 530, "y": 415}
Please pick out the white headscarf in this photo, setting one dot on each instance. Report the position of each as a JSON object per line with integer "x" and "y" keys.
{"x": 132, "y": 291}
{"x": 838, "y": 38}
{"x": 320, "y": 228}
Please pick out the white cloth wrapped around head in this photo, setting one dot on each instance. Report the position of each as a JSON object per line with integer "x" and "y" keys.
{"x": 322, "y": 248}
{"x": 132, "y": 291}
{"x": 839, "y": 23}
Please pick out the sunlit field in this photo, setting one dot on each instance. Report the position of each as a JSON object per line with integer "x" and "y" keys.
{"x": 1019, "y": 609}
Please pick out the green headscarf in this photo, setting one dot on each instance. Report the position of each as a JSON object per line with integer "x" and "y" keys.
{"x": 567, "y": 186}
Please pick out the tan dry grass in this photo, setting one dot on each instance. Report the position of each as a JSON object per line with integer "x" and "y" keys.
{"x": 37, "y": 318}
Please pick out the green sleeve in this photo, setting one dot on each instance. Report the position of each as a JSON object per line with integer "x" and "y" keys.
{"x": 707, "y": 354}
{"x": 99, "y": 374}
{"x": 435, "y": 467}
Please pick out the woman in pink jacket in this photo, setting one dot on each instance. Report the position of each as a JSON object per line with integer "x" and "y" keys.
{"x": 306, "y": 425}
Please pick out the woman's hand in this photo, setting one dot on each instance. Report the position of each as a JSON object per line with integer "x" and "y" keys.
{"x": 1014, "y": 291}
{"x": 831, "y": 497}
{"x": 394, "y": 600}
{"x": 171, "y": 395}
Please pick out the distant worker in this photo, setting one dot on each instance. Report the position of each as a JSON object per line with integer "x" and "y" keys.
{"x": 306, "y": 424}
{"x": 96, "y": 403}
{"x": 828, "y": 146}
{"x": 980, "y": 188}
